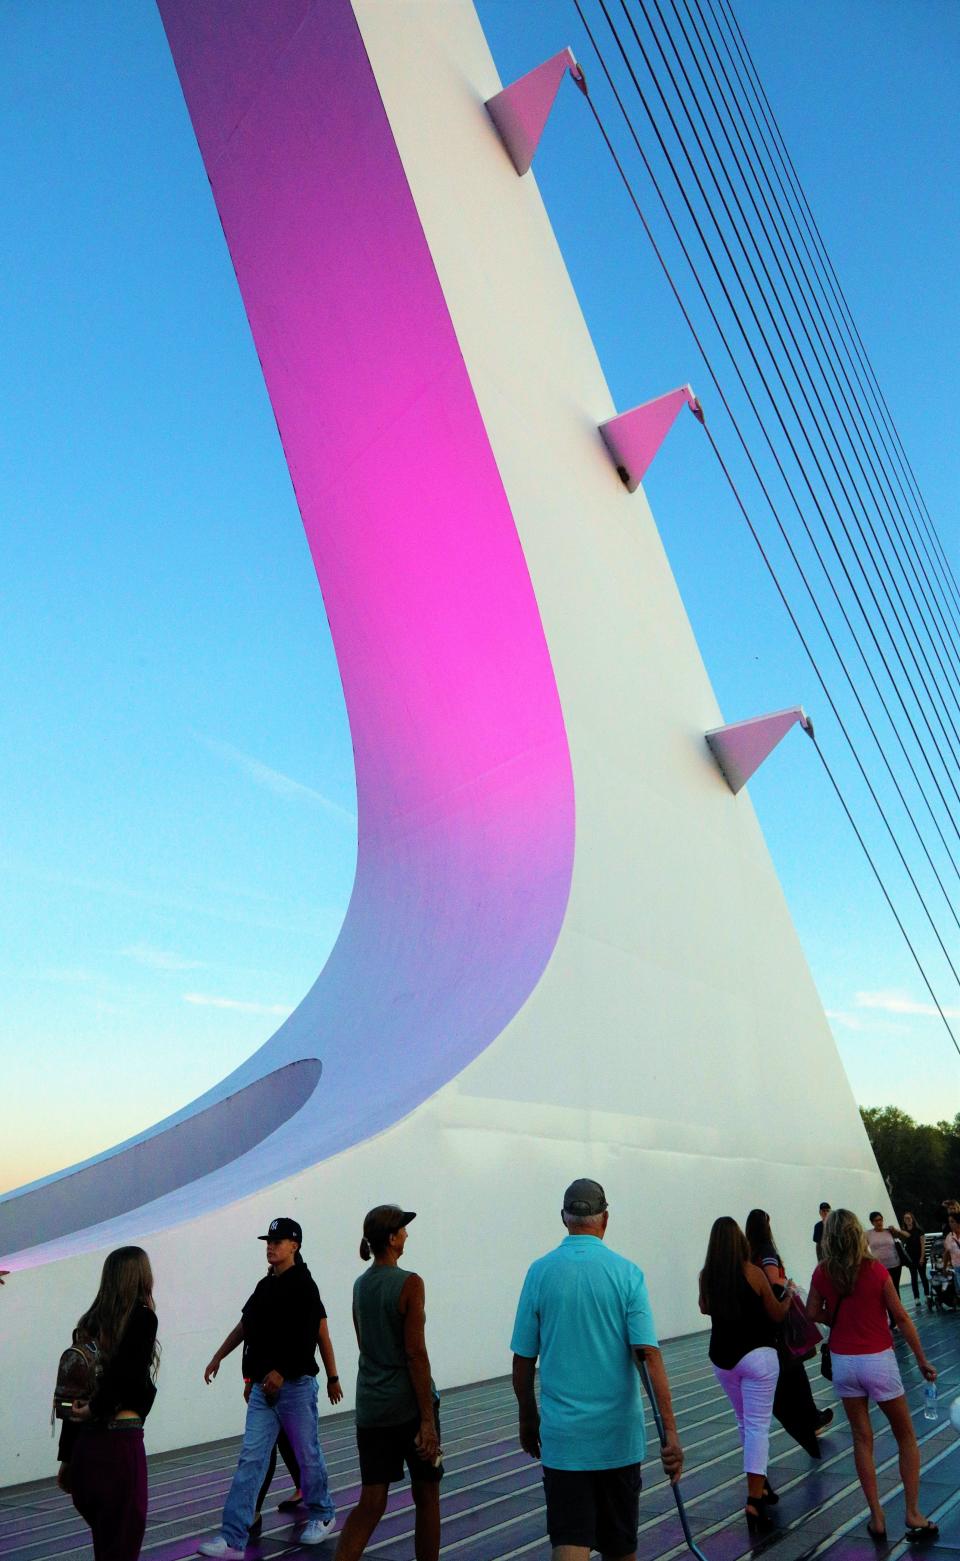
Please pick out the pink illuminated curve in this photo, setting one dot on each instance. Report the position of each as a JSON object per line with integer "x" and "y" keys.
{"x": 465, "y": 795}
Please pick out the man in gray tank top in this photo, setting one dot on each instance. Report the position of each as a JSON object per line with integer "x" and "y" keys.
{"x": 397, "y": 1404}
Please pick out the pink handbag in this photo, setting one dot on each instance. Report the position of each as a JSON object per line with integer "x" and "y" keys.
{"x": 800, "y": 1335}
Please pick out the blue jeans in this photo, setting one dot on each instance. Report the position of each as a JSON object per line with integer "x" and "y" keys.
{"x": 295, "y": 1409}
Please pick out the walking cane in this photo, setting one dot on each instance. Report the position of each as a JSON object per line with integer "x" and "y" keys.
{"x": 658, "y": 1422}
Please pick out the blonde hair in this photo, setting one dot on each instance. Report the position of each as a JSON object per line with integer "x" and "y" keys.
{"x": 845, "y": 1249}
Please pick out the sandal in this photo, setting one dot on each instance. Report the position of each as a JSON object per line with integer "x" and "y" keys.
{"x": 758, "y": 1520}
{"x": 921, "y": 1531}
{"x": 878, "y": 1535}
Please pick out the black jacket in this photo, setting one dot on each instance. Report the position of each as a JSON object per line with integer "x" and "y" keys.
{"x": 280, "y": 1325}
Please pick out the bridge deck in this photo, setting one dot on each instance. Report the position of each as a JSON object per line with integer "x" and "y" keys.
{"x": 491, "y": 1496}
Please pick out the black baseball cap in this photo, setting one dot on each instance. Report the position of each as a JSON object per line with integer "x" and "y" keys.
{"x": 283, "y": 1230}
{"x": 384, "y": 1220}
{"x": 584, "y": 1198}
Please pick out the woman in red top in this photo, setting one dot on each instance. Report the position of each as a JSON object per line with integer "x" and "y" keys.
{"x": 854, "y": 1294}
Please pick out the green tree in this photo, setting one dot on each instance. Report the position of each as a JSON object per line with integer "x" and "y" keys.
{"x": 920, "y": 1162}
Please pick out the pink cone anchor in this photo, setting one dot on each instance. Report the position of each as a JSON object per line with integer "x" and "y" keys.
{"x": 633, "y": 438}
{"x": 740, "y": 749}
{"x": 521, "y": 110}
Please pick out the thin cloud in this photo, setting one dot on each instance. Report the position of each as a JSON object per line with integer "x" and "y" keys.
{"x": 159, "y": 959}
{"x": 901, "y": 1003}
{"x": 69, "y": 976}
{"x": 847, "y": 1021}
{"x": 207, "y": 1000}
{"x": 274, "y": 780}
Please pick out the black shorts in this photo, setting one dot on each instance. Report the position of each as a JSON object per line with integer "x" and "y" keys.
{"x": 384, "y": 1449}
{"x": 596, "y": 1508}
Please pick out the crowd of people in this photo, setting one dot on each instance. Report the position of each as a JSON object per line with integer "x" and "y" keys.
{"x": 584, "y": 1318}
{"x": 854, "y": 1292}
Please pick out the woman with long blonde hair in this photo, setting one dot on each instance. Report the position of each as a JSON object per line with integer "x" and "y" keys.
{"x": 103, "y": 1464}
{"x": 854, "y": 1295}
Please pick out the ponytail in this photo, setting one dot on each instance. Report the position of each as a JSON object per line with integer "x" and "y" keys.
{"x": 365, "y": 1249}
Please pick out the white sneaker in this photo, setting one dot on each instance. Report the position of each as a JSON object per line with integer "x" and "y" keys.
{"x": 219, "y": 1547}
{"x": 316, "y": 1531}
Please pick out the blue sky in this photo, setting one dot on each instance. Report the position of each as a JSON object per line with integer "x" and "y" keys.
{"x": 177, "y": 816}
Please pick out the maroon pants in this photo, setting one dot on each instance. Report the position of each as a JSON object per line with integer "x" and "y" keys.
{"x": 108, "y": 1475}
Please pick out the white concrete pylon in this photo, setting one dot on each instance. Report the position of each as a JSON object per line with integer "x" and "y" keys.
{"x": 633, "y": 438}
{"x": 741, "y": 748}
{"x": 521, "y": 110}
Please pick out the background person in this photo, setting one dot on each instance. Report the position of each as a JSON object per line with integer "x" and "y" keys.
{"x": 882, "y": 1241}
{"x": 818, "y": 1228}
{"x": 951, "y": 1248}
{"x": 915, "y": 1247}
{"x": 103, "y": 1464}
{"x": 397, "y": 1408}
{"x": 793, "y": 1402}
{"x": 744, "y": 1315}
{"x": 584, "y": 1310}
{"x": 853, "y": 1293}
{"x": 278, "y": 1327}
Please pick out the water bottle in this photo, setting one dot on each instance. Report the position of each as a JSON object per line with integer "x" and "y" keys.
{"x": 930, "y": 1411}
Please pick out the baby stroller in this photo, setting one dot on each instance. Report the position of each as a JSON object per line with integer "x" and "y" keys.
{"x": 943, "y": 1292}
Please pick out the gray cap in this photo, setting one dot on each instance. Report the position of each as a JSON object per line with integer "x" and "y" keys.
{"x": 583, "y": 1198}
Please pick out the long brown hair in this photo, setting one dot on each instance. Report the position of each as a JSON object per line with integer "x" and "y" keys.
{"x": 758, "y": 1233}
{"x": 844, "y": 1248}
{"x": 727, "y": 1251}
{"x": 125, "y": 1283}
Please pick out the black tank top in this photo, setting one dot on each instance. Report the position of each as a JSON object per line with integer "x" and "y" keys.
{"x": 748, "y": 1328}
{"x": 912, "y": 1245}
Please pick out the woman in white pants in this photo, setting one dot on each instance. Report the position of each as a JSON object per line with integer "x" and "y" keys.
{"x": 744, "y": 1312}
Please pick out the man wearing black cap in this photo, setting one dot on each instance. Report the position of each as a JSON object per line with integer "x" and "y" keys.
{"x": 278, "y": 1328}
{"x": 585, "y": 1312}
{"x": 397, "y": 1404}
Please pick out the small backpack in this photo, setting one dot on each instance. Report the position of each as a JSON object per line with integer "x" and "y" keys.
{"x": 78, "y": 1377}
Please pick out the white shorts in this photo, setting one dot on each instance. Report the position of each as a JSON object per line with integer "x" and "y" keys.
{"x": 867, "y": 1376}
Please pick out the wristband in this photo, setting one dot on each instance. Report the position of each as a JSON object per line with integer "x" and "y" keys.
{"x": 332, "y": 1379}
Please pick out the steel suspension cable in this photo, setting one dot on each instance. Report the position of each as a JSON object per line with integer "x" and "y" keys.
{"x": 853, "y": 332}
{"x": 738, "y": 104}
{"x": 780, "y": 591}
{"x": 796, "y": 286}
{"x": 751, "y": 402}
{"x": 947, "y": 768}
{"x": 884, "y": 891}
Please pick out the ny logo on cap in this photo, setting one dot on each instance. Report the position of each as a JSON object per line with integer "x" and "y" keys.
{"x": 274, "y": 1224}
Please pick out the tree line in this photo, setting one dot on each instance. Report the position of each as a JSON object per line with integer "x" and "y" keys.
{"x": 919, "y": 1161}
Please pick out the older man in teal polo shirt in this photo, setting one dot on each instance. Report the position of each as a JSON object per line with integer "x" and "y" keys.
{"x": 584, "y": 1310}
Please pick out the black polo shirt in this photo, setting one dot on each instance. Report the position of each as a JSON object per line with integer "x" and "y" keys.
{"x": 280, "y": 1325}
